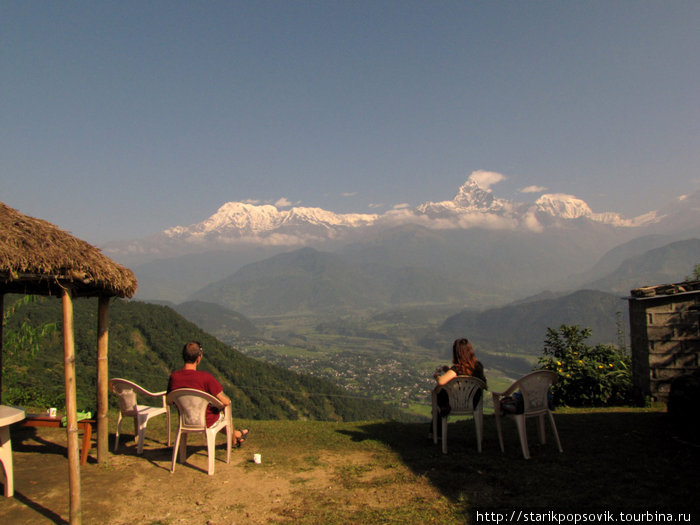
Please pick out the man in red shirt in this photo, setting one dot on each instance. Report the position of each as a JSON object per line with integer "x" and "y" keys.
{"x": 190, "y": 377}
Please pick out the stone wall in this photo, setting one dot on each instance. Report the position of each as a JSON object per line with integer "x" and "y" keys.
{"x": 665, "y": 337}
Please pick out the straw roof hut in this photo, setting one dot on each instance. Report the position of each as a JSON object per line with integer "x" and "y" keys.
{"x": 39, "y": 258}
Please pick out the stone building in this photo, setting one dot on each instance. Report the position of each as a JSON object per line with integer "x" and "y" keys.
{"x": 665, "y": 336}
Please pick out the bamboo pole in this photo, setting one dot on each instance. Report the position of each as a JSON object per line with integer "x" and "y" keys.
{"x": 71, "y": 416}
{"x": 102, "y": 379}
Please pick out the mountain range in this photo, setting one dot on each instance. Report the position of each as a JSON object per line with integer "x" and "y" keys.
{"x": 241, "y": 224}
{"x": 476, "y": 250}
{"x": 307, "y": 281}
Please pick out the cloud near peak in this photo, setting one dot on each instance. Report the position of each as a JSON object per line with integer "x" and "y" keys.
{"x": 283, "y": 202}
{"x": 533, "y": 189}
{"x": 486, "y": 179}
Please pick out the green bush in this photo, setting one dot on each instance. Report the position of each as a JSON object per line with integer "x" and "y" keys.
{"x": 587, "y": 375}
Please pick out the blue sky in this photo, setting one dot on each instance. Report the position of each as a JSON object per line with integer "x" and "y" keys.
{"x": 121, "y": 119}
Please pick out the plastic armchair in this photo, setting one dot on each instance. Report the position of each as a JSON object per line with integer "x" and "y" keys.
{"x": 534, "y": 388}
{"x": 462, "y": 391}
{"x": 192, "y": 407}
{"x": 126, "y": 392}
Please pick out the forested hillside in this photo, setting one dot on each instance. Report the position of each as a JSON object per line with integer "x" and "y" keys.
{"x": 145, "y": 343}
{"x": 523, "y": 326}
{"x": 668, "y": 264}
{"x": 217, "y": 320}
{"x": 308, "y": 281}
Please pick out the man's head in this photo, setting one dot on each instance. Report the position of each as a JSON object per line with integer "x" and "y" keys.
{"x": 192, "y": 351}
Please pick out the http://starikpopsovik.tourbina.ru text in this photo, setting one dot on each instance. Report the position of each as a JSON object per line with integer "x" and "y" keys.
{"x": 568, "y": 518}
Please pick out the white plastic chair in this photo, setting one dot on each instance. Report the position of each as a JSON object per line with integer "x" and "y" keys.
{"x": 461, "y": 391}
{"x": 128, "y": 407}
{"x": 534, "y": 388}
{"x": 192, "y": 407}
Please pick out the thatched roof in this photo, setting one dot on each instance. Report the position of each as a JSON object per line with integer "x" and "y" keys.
{"x": 37, "y": 257}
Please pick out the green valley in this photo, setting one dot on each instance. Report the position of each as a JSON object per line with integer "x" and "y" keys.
{"x": 145, "y": 345}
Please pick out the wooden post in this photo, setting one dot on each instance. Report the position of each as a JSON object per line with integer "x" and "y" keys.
{"x": 2, "y": 323}
{"x": 71, "y": 416}
{"x": 102, "y": 380}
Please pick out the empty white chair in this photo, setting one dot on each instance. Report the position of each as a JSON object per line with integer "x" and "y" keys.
{"x": 128, "y": 407}
{"x": 534, "y": 388}
{"x": 192, "y": 406}
{"x": 462, "y": 391}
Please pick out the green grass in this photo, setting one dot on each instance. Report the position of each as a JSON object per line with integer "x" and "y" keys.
{"x": 615, "y": 459}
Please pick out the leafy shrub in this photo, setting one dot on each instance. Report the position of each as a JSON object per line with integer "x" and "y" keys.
{"x": 587, "y": 375}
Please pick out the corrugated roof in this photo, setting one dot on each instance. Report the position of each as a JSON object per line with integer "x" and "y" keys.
{"x": 665, "y": 289}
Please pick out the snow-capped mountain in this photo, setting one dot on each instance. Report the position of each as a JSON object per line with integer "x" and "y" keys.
{"x": 470, "y": 207}
{"x": 474, "y": 205}
{"x": 472, "y": 196}
{"x": 570, "y": 207}
{"x": 499, "y": 249}
{"x": 564, "y": 206}
{"x": 234, "y": 217}
{"x": 471, "y": 199}
{"x": 248, "y": 221}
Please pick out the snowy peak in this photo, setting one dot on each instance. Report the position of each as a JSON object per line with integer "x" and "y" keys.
{"x": 239, "y": 219}
{"x": 239, "y": 215}
{"x": 233, "y": 217}
{"x": 563, "y": 206}
{"x": 476, "y": 205}
{"x": 570, "y": 207}
{"x": 301, "y": 215}
{"x": 473, "y": 197}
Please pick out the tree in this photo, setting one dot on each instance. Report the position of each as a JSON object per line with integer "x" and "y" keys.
{"x": 695, "y": 276}
{"x": 587, "y": 376}
{"x": 21, "y": 345}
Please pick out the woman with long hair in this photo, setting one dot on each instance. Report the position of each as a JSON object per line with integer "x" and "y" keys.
{"x": 464, "y": 363}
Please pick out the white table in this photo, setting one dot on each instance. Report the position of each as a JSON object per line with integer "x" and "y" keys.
{"x": 8, "y": 415}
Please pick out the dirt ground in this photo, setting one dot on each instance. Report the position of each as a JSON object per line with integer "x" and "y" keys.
{"x": 141, "y": 489}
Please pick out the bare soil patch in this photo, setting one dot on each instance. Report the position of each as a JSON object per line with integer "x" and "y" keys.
{"x": 141, "y": 489}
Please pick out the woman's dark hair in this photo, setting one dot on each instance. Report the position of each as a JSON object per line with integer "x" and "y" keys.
{"x": 463, "y": 357}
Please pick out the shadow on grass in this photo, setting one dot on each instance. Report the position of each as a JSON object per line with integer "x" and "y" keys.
{"x": 612, "y": 461}
{"x": 39, "y": 509}
{"x": 161, "y": 455}
{"x": 28, "y": 439}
